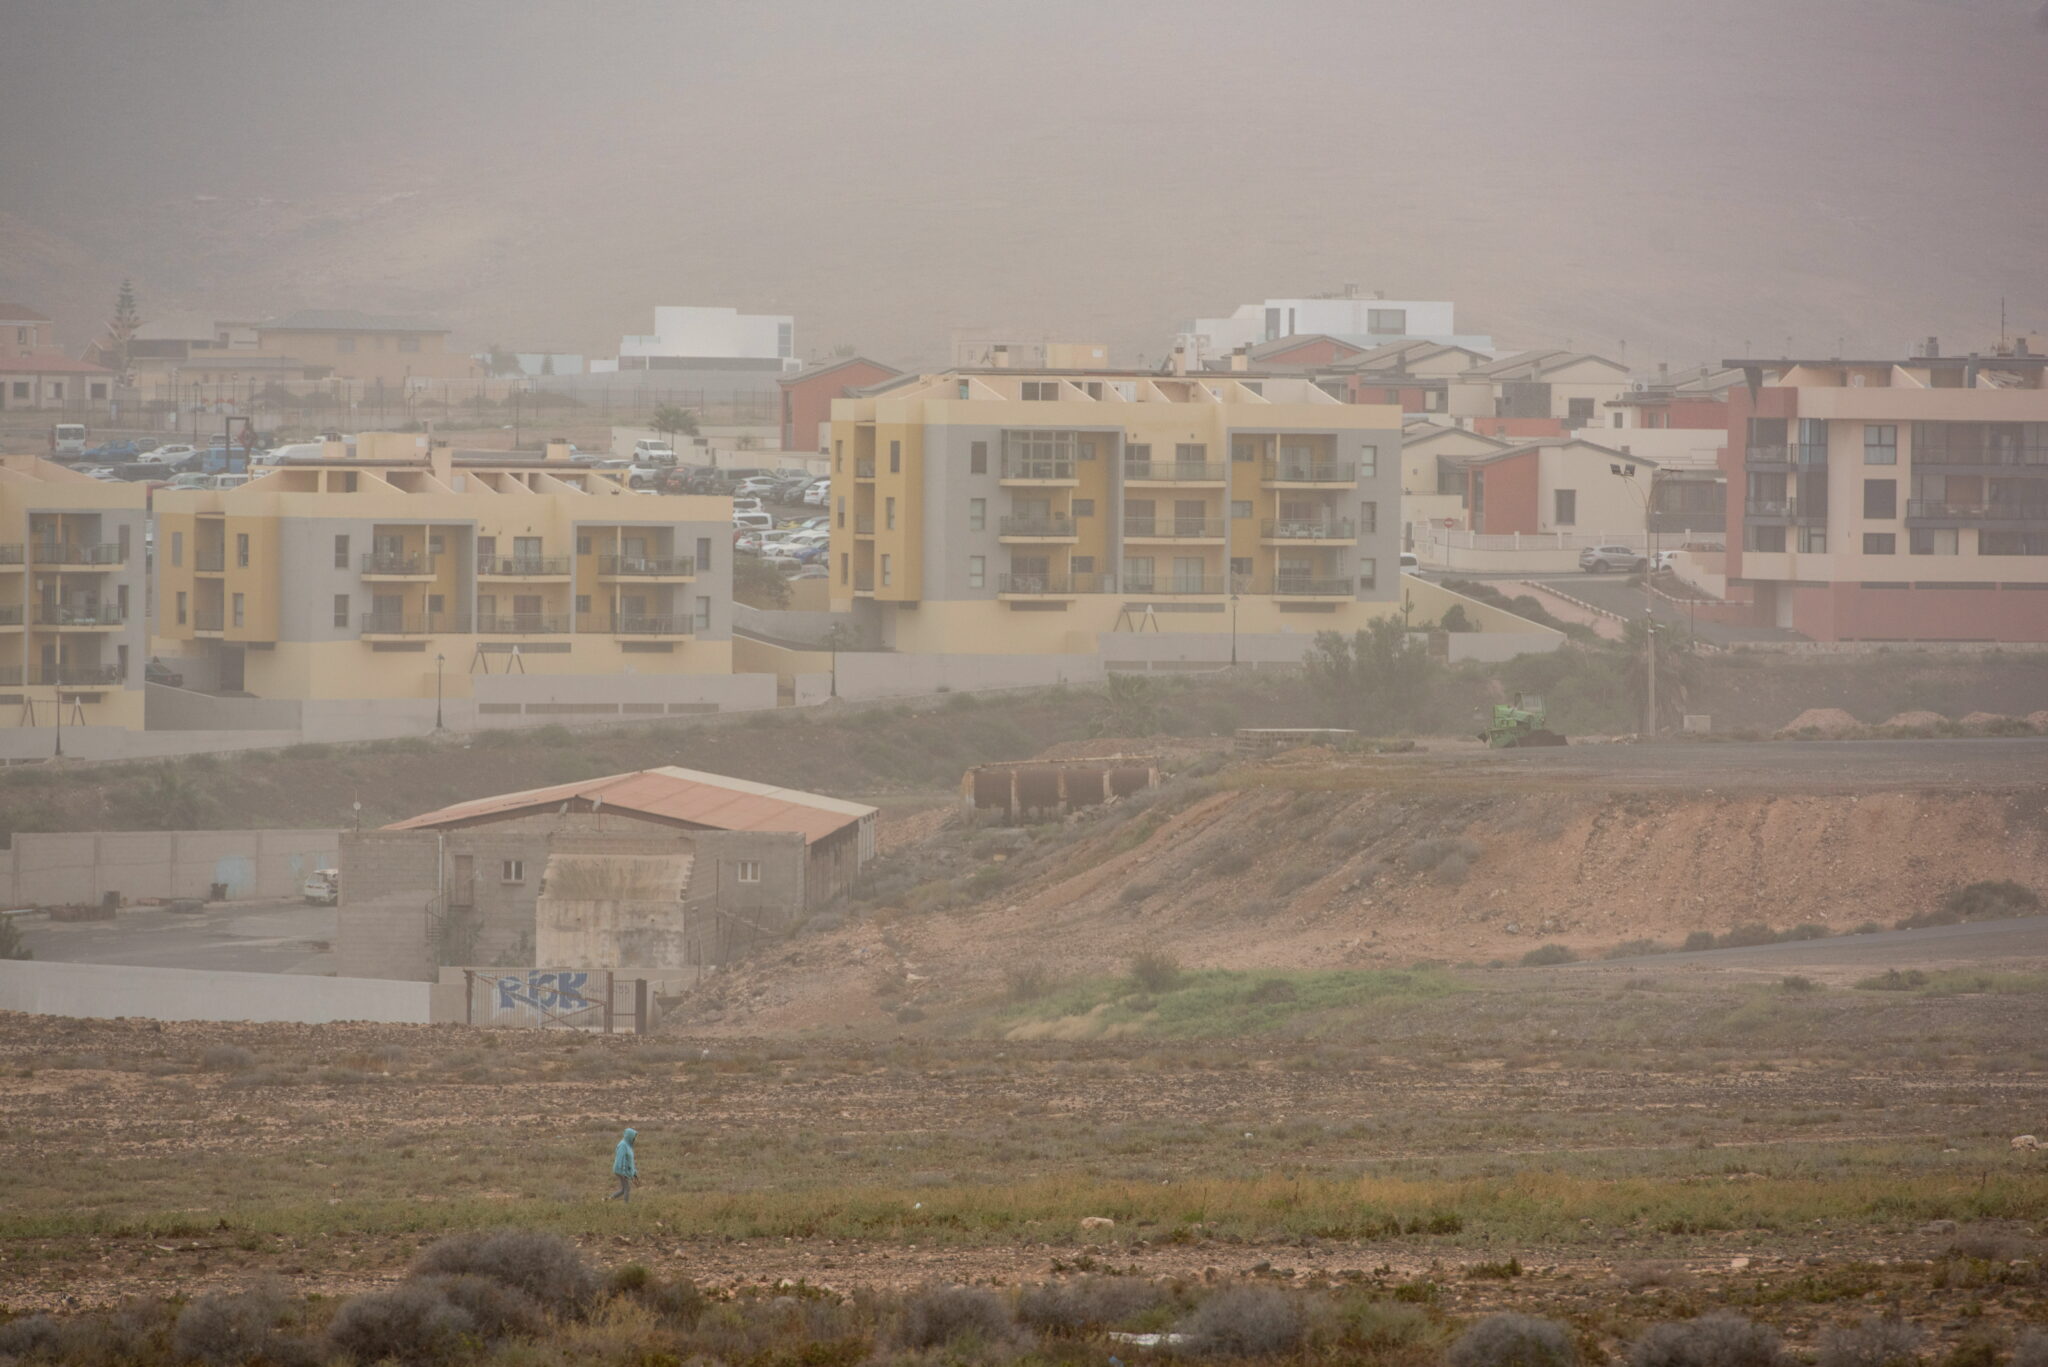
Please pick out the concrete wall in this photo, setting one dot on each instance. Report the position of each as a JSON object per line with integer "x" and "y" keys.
{"x": 389, "y": 881}
{"x": 44, "y": 869}
{"x": 106, "y": 991}
{"x": 613, "y": 910}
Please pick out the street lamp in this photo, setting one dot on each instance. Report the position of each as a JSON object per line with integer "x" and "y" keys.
{"x": 1627, "y": 471}
{"x": 1233, "y": 621}
{"x": 439, "y": 660}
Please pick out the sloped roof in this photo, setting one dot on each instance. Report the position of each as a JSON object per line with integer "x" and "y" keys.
{"x": 344, "y": 320}
{"x": 22, "y": 313}
{"x": 1300, "y": 339}
{"x": 682, "y": 797}
{"x": 1563, "y": 445}
{"x": 50, "y": 365}
{"x": 1539, "y": 363}
{"x": 1412, "y": 437}
{"x": 827, "y": 367}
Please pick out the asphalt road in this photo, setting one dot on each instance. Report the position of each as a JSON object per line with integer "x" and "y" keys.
{"x": 1972, "y": 765}
{"x": 250, "y": 937}
{"x": 2019, "y": 943}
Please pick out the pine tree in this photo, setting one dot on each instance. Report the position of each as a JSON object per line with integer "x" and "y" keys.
{"x": 127, "y": 319}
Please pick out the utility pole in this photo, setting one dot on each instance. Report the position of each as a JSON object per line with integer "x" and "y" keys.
{"x": 1650, "y": 673}
{"x": 439, "y": 660}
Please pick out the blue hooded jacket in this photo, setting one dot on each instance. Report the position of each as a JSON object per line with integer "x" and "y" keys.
{"x": 622, "y": 1157}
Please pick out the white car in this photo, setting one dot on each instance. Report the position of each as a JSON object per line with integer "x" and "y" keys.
{"x": 168, "y": 455}
{"x": 1664, "y": 560}
{"x": 819, "y": 495}
{"x": 653, "y": 451}
{"x": 747, "y": 505}
{"x": 753, "y": 522}
{"x": 323, "y": 889}
{"x": 760, "y": 486}
{"x": 1409, "y": 564}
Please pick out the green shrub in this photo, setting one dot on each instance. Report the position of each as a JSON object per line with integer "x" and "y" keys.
{"x": 1992, "y": 901}
{"x": 1155, "y": 970}
{"x": 227, "y": 1058}
{"x": 1549, "y": 954}
{"x": 1752, "y": 933}
{"x": 229, "y": 1329}
{"x": 1087, "y": 1303}
{"x": 1027, "y": 981}
{"x": 1699, "y": 940}
{"x": 1511, "y": 1340}
{"x": 1635, "y": 949}
{"x": 1891, "y": 980}
{"x": 1793, "y": 982}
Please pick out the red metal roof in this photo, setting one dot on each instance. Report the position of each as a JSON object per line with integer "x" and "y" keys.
{"x": 669, "y": 794}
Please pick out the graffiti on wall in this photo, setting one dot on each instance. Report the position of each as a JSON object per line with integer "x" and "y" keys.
{"x": 544, "y": 991}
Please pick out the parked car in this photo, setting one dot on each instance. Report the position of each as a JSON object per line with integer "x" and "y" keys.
{"x": 1409, "y": 564}
{"x": 753, "y": 521}
{"x": 157, "y": 672}
{"x": 176, "y": 453}
{"x": 653, "y": 451}
{"x": 759, "y": 486}
{"x": 812, "y": 570}
{"x": 1606, "y": 559}
{"x": 323, "y": 889}
{"x": 819, "y": 495}
{"x": 747, "y": 505}
{"x": 1664, "y": 560}
{"x": 113, "y": 450}
{"x": 67, "y": 440}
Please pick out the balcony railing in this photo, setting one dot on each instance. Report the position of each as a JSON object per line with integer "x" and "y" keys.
{"x": 1052, "y": 585}
{"x": 10, "y": 615}
{"x": 209, "y": 561}
{"x": 636, "y": 624}
{"x": 1175, "y": 471}
{"x": 14, "y": 554}
{"x": 648, "y": 565}
{"x": 1174, "y": 528}
{"x": 1768, "y": 455}
{"x": 863, "y": 581}
{"x": 377, "y": 623}
{"x": 1767, "y": 507}
{"x": 58, "y": 553}
{"x": 1927, "y": 454}
{"x": 209, "y": 619}
{"x": 80, "y": 615}
{"x": 1173, "y": 585}
{"x": 863, "y": 469}
{"x": 1018, "y": 467}
{"x": 523, "y": 624}
{"x": 864, "y": 525}
{"x": 397, "y": 562}
{"x": 1303, "y": 586}
{"x": 1977, "y": 512}
{"x": 521, "y": 566}
{"x": 1309, "y": 529}
{"x": 1036, "y": 524}
{"x": 78, "y": 676}
{"x": 1290, "y": 471}
{"x": 10, "y": 676}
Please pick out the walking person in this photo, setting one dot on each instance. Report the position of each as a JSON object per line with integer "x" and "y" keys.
{"x": 624, "y": 1168}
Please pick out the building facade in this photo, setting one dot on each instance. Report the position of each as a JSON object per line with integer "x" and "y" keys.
{"x": 72, "y": 576}
{"x": 689, "y": 338}
{"x": 380, "y": 573}
{"x": 1575, "y": 487}
{"x": 1353, "y": 315}
{"x": 1891, "y": 500}
{"x": 367, "y": 347}
{"x": 1005, "y": 511}
{"x": 26, "y": 332}
{"x": 54, "y": 383}
{"x": 807, "y": 399}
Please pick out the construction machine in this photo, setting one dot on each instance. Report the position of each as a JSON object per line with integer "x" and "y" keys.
{"x": 1519, "y": 723}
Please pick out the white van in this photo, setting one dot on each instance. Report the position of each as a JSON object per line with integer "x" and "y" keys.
{"x": 67, "y": 439}
{"x": 653, "y": 451}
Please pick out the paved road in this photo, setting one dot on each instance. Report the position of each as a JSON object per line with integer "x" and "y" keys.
{"x": 1974, "y": 765}
{"x": 1614, "y": 593}
{"x": 253, "y": 937}
{"x": 2019, "y": 943}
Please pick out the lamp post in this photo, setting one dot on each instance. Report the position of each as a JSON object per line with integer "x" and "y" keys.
{"x": 1233, "y": 621}
{"x": 439, "y": 660}
{"x": 1628, "y": 472}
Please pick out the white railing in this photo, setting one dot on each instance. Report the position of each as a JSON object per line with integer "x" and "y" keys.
{"x": 1446, "y": 538}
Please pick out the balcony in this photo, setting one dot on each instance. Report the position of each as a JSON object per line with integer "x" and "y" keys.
{"x": 1308, "y": 529}
{"x": 524, "y": 624}
{"x": 1292, "y": 471}
{"x": 863, "y": 469}
{"x": 411, "y": 624}
{"x": 1173, "y": 529}
{"x": 78, "y": 676}
{"x": 647, "y": 567}
{"x": 1304, "y": 586}
{"x": 2002, "y": 516}
{"x": 1037, "y": 527}
{"x": 1767, "y": 507}
{"x": 1176, "y": 586}
{"x": 12, "y": 557}
{"x": 10, "y": 676}
{"x": 208, "y": 622}
{"x": 209, "y": 560}
{"x": 523, "y": 566}
{"x": 1046, "y": 585}
{"x": 637, "y": 624}
{"x": 1770, "y": 458}
{"x": 1174, "y": 472}
{"x": 10, "y": 615}
{"x": 1050, "y": 471}
{"x": 398, "y": 565}
{"x": 103, "y": 555}
{"x": 863, "y": 581}
{"x": 864, "y": 525}
{"x": 81, "y": 616}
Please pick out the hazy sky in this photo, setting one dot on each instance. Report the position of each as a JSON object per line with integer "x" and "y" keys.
{"x": 1679, "y": 177}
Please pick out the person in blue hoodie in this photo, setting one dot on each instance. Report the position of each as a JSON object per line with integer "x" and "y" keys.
{"x": 624, "y": 1168}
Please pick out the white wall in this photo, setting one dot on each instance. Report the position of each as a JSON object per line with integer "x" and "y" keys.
{"x": 55, "y": 869}
{"x": 107, "y": 991}
{"x": 692, "y": 331}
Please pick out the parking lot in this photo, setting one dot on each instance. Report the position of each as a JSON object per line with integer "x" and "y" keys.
{"x": 274, "y": 936}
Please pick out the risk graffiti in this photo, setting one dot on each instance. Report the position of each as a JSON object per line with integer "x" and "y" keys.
{"x": 544, "y": 991}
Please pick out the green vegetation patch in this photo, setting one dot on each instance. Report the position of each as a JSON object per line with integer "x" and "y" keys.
{"x": 1211, "y": 1002}
{"x": 1954, "y": 982}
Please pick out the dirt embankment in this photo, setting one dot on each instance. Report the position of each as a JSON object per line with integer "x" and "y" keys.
{"x": 1278, "y": 878}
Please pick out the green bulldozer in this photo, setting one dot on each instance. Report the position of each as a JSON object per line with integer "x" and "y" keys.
{"x": 1519, "y": 723}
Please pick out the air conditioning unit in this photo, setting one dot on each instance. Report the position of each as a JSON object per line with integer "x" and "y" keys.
{"x": 1638, "y": 386}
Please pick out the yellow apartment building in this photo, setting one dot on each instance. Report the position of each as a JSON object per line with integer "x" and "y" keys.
{"x": 72, "y": 571}
{"x": 997, "y": 511}
{"x": 397, "y": 569}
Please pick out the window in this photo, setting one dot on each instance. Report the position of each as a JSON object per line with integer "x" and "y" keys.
{"x": 977, "y": 514}
{"x": 1368, "y": 518}
{"x": 1240, "y": 507}
{"x": 1933, "y": 541}
{"x": 1272, "y": 324}
{"x": 1813, "y": 540}
{"x": 1566, "y": 513}
{"x": 583, "y": 603}
{"x": 1579, "y": 412}
{"x": 238, "y": 609}
{"x": 1880, "y": 543}
{"x": 56, "y": 389}
{"x": 583, "y": 545}
{"x": 512, "y": 871}
{"x": 1041, "y": 390}
{"x": 1880, "y": 444}
{"x": 1240, "y": 570}
{"x": 963, "y": 389}
{"x": 747, "y": 870}
{"x": 895, "y": 457}
{"x": 341, "y": 609}
{"x": 242, "y": 550}
{"x": 703, "y": 613}
{"x": 181, "y": 607}
{"x": 1813, "y": 442}
{"x": 785, "y": 340}
{"x": 1084, "y": 507}
{"x": 344, "y": 345}
{"x": 839, "y": 457}
{"x": 1190, "y": 453}
{"x": 2012, "y": 543}
{"x": 887, "y": 576}
{"x": 977, "y": 571}
{"x": 21, "y": 389}
{"x": 99, "y": 389}
{"x": 1368, "y": 572}
{"x": 341, "y": 552}
{"x": 977, "y": 458}
{"x": 1617, "y": 419}
{"x": 520, "y": 605}
{"x": 1756, "y": 537}
{"x": 1386, "y": 322}
{"x": 1138, "y": 453}
{"x": 1880, "y": 498}
{"x": 845, "y": 562}
{"x": 436, "y": 543}
{"x": 177, "y": 548}
{"x": 889, "y": 514}
{"x": 1368, "y": 461}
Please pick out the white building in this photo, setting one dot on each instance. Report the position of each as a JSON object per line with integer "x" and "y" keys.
{"x": 689, "y": 338}
{"x": 1354, "y": 316}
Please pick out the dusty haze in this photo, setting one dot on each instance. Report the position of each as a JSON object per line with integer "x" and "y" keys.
{"x": 1687, "y": 179}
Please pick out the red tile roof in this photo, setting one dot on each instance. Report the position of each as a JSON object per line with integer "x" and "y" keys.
{"x": 49, "y": 365}
{"x": 22, "y": 313}
{"x": 685, "y": 797}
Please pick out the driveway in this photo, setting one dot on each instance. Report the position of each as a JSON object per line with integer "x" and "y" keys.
{"x": 1614, "y": 593}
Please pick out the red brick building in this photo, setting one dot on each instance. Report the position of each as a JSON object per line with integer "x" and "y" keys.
{"x": 807, "y": 398}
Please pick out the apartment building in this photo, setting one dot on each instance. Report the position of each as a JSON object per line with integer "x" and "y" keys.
{"x": 71, "y": 583}
{"x": 352, "y": 345}
{"x": 1883, "y": 500}
{"x": 383, "y": 569}
{"x": 1004, "y": 511}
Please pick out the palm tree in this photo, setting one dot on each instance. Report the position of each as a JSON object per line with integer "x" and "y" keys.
{"x": 670, "y": 419}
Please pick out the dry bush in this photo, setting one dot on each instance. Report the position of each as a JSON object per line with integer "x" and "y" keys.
{"x": 546, "y": 1267}
{"x": 1992, "y": 1246}
{"x": 1511, "y": 1340}
{"x": 2031, "y": 1350}
{"x": 412, "y": 1322}
{"x": 1088, "y": 1303}
{"x": 1247, "y": 1322}
{"x": 1155, "y": 970}
{"x": 31, "y": 1336}
{"x": 249, "y": 1326}
{"x": 1027, "y": 981}
{"x": 1871, "y": 1343}
{"x": 494, "y": 1308}
{"x": 227, "y": 1058}
{"x": 1134, "y": 893}
{"x": 1548, "y": 954}
{"x": 938, "y": 1315}
{"x": 1229, "y": 860}
{"x": 1426, "y": 855}
{"x": 1721, "y": 1339}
